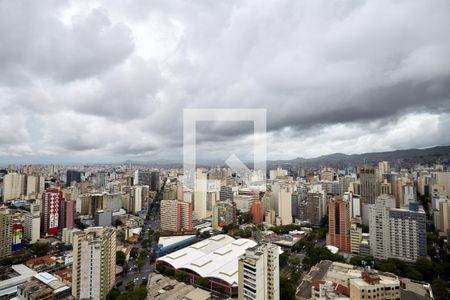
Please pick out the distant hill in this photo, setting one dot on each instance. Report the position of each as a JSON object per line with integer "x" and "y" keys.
{"x": 405, "y": 158}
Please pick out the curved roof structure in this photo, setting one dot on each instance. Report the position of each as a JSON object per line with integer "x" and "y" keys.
{"x": 216, "y": 257}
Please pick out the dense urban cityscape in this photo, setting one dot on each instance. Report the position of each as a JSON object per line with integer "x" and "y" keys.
{"x": 134, "y": 232}
{"x": 219, "y": 150}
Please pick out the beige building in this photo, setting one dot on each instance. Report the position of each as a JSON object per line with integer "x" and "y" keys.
{"x": 355, "y": 238}
{"x": 13, "y": 184}
{"x": 363, "y": 284}
{"x": 200, "y": 211}
{"x": 94, "y": 262}
{"x": 175, "y": 215}
{"x": 5, "y": 232}
{"x": 444, "y": 216}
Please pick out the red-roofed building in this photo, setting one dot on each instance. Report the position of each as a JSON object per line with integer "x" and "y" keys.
{"x": 39, "y": 262}
{"x": 64, "y": 275}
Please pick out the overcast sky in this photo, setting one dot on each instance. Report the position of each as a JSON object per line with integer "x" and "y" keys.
{"x": 86, "y": 81}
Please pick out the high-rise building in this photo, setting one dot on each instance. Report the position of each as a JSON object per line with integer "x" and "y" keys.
{"x": 397, "y": 232}
{"x": 17, "y": 235}
{"x": 155, "y": 184}
{"x": 32, "y": 228}
{"x": 69, "y": 213}
{"x": 200, "y": 211}
{"x": 355, "y": 237}
{"x": 257, "y": 212}
{"x": 284, "y": 205}
{"x": 383, "y": 168}
{"x": 444, "y": 216}
{"x": 224, "y": 213}
{"x": 94, "y": 262}
{"x": 380, "y": 241}
{"x": 13, "y": 185}
{"x": 73, "y": 176}
{"x": 5, "y": 232}
{"x": 259, "y": 274}
{"x": 226, "y": 193}
{"x": 51, "y": 207}
{"x": 294, "y": 204}
{"x": 101, "y": 179}
{"x": 176, "y": 216}
{"x": 408, "y": 232}
{"x": 339, "y": 224}
{"x": 315, "y": 207}
{"x": 136, "y": 199}
{"x": 369, "y": 184}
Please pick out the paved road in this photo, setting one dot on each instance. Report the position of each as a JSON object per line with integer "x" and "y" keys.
{"x": 140, "y": 276}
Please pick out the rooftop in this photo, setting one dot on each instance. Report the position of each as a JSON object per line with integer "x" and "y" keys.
{"x": 216, "y": 257}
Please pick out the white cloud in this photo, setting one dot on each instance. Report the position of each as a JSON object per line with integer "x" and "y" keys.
{"x": 110, "y": 79}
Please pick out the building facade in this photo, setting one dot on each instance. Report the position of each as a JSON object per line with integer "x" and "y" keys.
{"x": 259, "y": 273}
{"x": 94, "y": 262}
{"x": 51, "y": 208}
{"x": 339, "y": 224}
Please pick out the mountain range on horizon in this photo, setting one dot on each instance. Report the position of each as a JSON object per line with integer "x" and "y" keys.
{"x": 406, "y": 157}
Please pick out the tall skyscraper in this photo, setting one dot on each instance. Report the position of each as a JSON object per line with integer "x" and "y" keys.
{"x": 285, "y": 204}
{"x": 5, "y": 232}
{"x": 383, "y": 168}
{"x": 224, "y": 213}
{"x": 339, "y": 224}
{"x": 73, "y": 176}
{"x": 369, "y": 184}
{"x": 200, "y": 195}
{"x": 315, "y": 207}
{"x": 380, "y": 240}
{"x": 51, "y": 207}
{"x": 155, "y": 184}
{"x": 226, "y": 193}
{"x": 397, "y": 232}
{"x": 94, "y": 262}
{"x": 444, "y": 216}
{"x": 408, "y": 232}
{"x": 13, "y": 185}
{"x": 259, "y": 274}
{"x": 32, "y": 228}
{"x": 176, "y": 216}
{"x": 257, "y": 212}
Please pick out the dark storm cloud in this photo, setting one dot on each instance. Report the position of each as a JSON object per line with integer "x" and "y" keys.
{"x": 111, "y": 79}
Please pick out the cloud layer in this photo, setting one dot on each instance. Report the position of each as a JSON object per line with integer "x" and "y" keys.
{"x": 108, "y": 80}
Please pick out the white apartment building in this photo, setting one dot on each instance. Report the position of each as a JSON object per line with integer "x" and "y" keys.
{"x": 259, "y": 277}
{"x": 32, "y": 228}
{"x": 379, "y": 226}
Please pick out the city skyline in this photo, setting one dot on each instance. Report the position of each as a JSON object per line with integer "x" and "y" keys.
{"x": 96, "y": 82}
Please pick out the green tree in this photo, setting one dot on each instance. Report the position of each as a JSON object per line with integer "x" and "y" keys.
{"x": 202, "y": 282}
{"x": 41, "y": 249}
{"x": 120, "y": 258}
{"x": 134, "y": 252}
{"x": 130, "y": 285}
{"x": 414, "y": 274}
{"x": 140, "y": 293}
{"x": 181, "y": 276}
{"x": 287, "y": 289}
{"x": 113, "y": 294}
{"x": 426, "y": 267}
{"x": 283, "y": 258}
{"x": 440, "y": 288}
{"x": 140, "y": 263}
{"x": 294, "y": 261}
